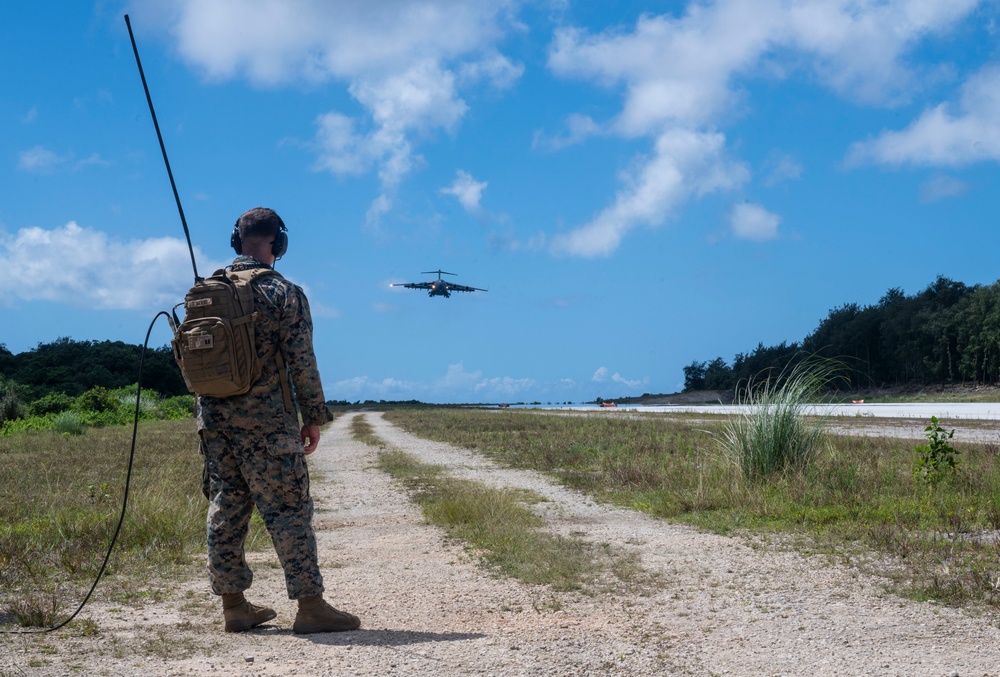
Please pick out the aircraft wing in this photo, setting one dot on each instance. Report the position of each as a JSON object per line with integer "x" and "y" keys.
{"x": 412, "y": 285}
{"x": 462, "y": 287}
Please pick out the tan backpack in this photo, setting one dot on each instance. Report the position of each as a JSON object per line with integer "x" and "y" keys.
{"x": 215, "y": 345}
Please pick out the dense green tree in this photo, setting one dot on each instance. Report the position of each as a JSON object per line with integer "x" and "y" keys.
{"x": 694, "y": 376}
{"x": 74, "y": 367}
{"x": 718, "y": 375}
{"x": 948, "y": 332}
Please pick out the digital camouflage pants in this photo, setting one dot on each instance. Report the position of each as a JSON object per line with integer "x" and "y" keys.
{"x": 243, "y": 471}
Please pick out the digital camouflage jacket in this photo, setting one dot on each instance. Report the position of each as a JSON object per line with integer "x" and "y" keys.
{"x": 283, "y": 321}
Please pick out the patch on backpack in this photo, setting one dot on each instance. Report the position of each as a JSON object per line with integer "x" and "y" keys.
{"x": 200, "y": 341}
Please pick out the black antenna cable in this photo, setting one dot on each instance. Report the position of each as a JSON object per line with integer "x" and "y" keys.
{"x": 163, "y": 149}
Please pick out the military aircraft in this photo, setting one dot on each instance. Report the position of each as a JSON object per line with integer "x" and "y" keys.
{"x": 437, "y": 287}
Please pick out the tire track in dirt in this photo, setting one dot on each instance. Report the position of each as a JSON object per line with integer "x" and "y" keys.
{"x": 729, "y": 608}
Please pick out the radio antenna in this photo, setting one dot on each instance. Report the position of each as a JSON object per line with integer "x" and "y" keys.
{"x": 163, "y": 149}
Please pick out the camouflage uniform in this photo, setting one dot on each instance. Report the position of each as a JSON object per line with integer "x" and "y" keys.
{"x": 253, "y": 451}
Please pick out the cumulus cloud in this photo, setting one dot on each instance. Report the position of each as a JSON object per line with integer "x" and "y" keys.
{"x": 604, "y": 375}
{"x": 86, "y": 268}
{"x": 404, "y": 63}
{"x": 466, "y": 190}
{"x": 680, "y": 77}
{"x": 753, "y": 222}
{"x": 39, "y": 160}
{"x": 578, "y": 129}
{"x": 456, "y": 385}
{"x": 365, "y": 388}
{"x": 781, "y": 167}
{"x": 684, "y": 164}
{"x": 504, "y": 387}
{"x": 949, "y": 135}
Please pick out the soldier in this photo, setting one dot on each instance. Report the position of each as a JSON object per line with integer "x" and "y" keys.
{"x": 255, "y": 450}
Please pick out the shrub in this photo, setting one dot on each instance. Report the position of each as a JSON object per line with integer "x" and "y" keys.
{"x": 28, "y": 424}
{"x": 937, "y": 457}
{"x": 178, "y": 407}
{"x": 98, "y": 399}
{"x": 53, "y": 403}
{"x": 11, "y": 407}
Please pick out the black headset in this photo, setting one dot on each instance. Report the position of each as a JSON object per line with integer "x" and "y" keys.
{"x": 278, "y": 246}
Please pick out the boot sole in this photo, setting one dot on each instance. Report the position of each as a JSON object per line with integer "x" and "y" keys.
{"x": 244, "y": 625}
{"x": 313, "y": 628}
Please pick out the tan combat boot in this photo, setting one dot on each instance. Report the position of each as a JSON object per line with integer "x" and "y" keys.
{"x": 315, "y": 615}
{"x": 241, "y": 615}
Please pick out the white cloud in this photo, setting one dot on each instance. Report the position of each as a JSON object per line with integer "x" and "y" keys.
{"x": 781, "y": 167}
{"x": 91, "y": 160}
{"x": 457, "y": 378}
{"x": 504, "y": 386}
{"x": 404, "y": 62}
{"x": 753, "y": 222}
{"x": 604, "y": 375}
{"x": 379, "y": 206}
{"x": 456, "y": 385}
{"x": 942, "y": 188}
{"x": 684, "y": 164}
{"x": 680, "y": 78}
{"x": 949, "y": 135}
{"x": 365, "y": 388}
{"x": 39, "y": 160}
{"x": 579, "y": 128}
{"x": 467, "y": 190}
{"x": 84, "y": 267}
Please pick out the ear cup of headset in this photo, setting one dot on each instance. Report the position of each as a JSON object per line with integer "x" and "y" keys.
{"x": 234, "y": 240}
{"x": 280, "y": 244}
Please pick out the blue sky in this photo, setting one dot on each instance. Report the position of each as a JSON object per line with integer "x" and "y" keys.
{"x": 638, "y": 184}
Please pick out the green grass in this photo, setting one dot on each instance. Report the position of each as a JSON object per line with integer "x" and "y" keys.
{"x": 497, "y": 525}
{"x": 857, "y": 496}
{"x": 60, "y": 499}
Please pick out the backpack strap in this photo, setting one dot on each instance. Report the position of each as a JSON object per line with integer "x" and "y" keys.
{"x": 242, "y": 280}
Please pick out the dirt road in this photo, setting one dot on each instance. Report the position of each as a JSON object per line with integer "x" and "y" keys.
{"x": 718, "y": 606}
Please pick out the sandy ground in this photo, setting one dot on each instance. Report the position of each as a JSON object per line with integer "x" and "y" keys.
{"x": 719, "y": 606}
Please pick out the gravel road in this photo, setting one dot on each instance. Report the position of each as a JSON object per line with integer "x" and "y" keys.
{"x": 719, "y": 606}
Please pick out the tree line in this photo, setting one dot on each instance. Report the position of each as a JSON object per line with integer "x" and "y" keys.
{"x": 947, "y": 333}
{"x": 74, "y": 367}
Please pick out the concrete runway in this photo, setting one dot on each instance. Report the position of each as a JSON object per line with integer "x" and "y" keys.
{"x": 973, "y": 411}
{"x": 971, "y": 421}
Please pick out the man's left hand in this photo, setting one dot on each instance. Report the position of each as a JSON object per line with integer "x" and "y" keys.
{"x": 310, "y": 438}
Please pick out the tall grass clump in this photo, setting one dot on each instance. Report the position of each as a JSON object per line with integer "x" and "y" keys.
{"x": 68, "y": 423}
{"x": 769, "y": 433}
